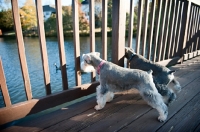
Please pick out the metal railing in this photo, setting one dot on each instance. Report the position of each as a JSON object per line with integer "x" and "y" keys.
{"x": 167, "y": 32}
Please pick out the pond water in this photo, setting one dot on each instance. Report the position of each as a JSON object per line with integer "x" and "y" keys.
{"x": 12, "y": 70}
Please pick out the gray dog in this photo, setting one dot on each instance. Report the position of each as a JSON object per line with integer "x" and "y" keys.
{"x": 162, "y": 76}
{"x": 114, "y": 78}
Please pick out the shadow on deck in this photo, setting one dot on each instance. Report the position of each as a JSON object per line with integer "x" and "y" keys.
{"x": 128, "y": 112}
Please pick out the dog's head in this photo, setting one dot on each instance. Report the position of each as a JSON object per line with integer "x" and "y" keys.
{"x": 86, "y": 64}
{"x": 129, "y": 52}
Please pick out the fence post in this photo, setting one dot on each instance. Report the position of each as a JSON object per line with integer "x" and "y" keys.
{"x": 184, "y": 29}
{"x": 118, "y": 31}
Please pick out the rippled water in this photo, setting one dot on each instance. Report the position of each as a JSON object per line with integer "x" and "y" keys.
{"x": 14, "y": 80}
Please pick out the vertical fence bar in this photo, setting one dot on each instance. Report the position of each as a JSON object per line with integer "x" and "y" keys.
{"x": 21, "y": 49}
{"x": 61, "y": 44}
{"x": 139, "y": 25}
{"x": 130, "y": 28}
{"x": 197, "y": 28}
{"x": 175, "y": 29}
{"x": 145, "y": 25}
{"x": 152, "y": 16}
{"x": 194, "y": 31}
{"x": 75, "y": 4}
{"x": 118, "y": 31}
{"x": 169, "y": 39}
{"x": 3, "y": 86}
{"x": 160, "y": 43}
{"x": 43, "y": 49}
{"x": 178, "y": 30}
{"x": 92, "y": 32}
{"x": 157, "y": 29}
{"x": 104, "y": 29}
{"x": 184, "y": 28}
{"x": 166, "y": 33}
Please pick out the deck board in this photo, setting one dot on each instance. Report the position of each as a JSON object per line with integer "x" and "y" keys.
{"x": 127, "y": 112}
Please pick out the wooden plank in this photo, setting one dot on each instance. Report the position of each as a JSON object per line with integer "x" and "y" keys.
{"x": 182, "y": 121}
{"x": 75, "y": 5}
{"x": 166, "y": 33}
{"x": 118, "y": 31}
{"x": 33, "y": 106}
{"x": 160, "y": 43}
{"x": 169, "y": 40}
{"x": 145, "y": 25}
{"x": 104, "y": 28}
{"x": 131, "y": 21}
{"x": 189, "y": 43}
{"x": 177, "y": 47}
{"x": 91, "y": 116}
{"x": 152, "y": 16}
{"x": 3, "y": 86}
{"x": 151, "y": 124}
{"x": 157, "y": 29}
{"x": 21, "y": 49}
{"x": 43, "y": 48}
{"x": 175, "y": 29}
{"x": 139, "y": 26}
{"x": 184, "y": 28}
{"x": 61, "y": 44}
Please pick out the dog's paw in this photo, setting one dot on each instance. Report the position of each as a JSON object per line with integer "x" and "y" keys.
{"x": 162, "y": 118}
{"x": 97, "y": 107}
{"x": 177, "y": 88}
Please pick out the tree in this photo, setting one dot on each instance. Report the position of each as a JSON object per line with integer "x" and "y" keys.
{"x": 6, "y": 21}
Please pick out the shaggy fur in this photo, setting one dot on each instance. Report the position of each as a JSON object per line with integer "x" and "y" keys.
{"x": 162, "y": 76}
{"x": 115, "y": 78}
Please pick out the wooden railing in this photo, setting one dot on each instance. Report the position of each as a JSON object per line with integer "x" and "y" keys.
{"x": 171, "y": 36}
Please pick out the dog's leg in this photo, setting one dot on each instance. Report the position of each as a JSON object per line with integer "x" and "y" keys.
{"x": 109, "y": 96}
{"x": 168, "y": 95}
{"x": 177, "y": 85}
{"x": 101, "y": 98}
{"x": 154, "y": 99}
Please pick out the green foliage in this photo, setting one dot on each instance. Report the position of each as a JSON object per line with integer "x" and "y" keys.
{"x": 6, "y": 21}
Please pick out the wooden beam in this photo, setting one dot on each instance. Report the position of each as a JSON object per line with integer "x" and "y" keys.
{"x": 75, "y": 5}
{"x": 160, "y": 43}
{"x": 33, "y": 106}
{"x": 157, "y": 30}
{"x": 61, "y": 44}
{"x": 152, "y": 16}
{"x": 3, "y": 86}
{"x": 43, "y": 49}
{"x": 118, "y": 31}
{"x": 131, "y": 20}
{"x": 92, "y": 32}
{"x": 139, "y": 26}
{"x": 145, "y": 25}
{"x": 21, "y": 49}
{"x": 104, "y": 29}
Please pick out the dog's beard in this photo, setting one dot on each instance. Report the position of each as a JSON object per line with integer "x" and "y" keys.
{"x": 86, "y": 67}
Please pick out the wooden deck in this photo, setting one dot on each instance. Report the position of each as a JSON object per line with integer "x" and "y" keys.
{"x": 127, "y": 112}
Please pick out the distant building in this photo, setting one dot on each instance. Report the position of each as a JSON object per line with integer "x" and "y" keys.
{"x": 47, "y": 11}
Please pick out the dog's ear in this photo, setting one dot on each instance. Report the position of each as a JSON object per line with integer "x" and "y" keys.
{"x": 87, "y": 58}
{"x": 97, "y": 54}
{"x": 173, "y": 71}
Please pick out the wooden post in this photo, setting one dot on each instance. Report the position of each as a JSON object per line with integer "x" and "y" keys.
{"x": 3, "y": 86}
{"x": 118, "y": 31}
{"x": 92, "y": 33}
{"x": 75, "y": 5}
{"x": 131, "y": 20}
{"x": 61, "y": 44}
{"x": 21, "y": 49}
{"x": 184, "y": 28}
{"x": 152, "y": 16}
{"x": 43, "y": 49}
{"x": 104, "y": 29}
